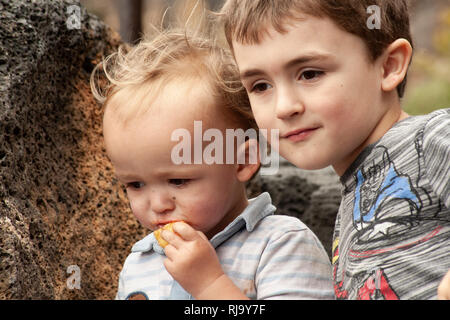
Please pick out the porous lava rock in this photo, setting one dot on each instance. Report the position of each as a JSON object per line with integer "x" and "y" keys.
{"x": 65, "y": 223}
{"x": 60, "y": 205}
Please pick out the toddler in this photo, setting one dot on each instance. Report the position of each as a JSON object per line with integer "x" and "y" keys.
{"x": 223, "y": 246}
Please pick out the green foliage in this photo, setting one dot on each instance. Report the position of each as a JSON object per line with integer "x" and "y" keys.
{"x": 430, "y": 73}
{"x": 441, "y": 38}
{"x": 427, "y": 97}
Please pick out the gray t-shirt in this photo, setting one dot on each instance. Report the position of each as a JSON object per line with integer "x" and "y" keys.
{"x": 392, "y": 232}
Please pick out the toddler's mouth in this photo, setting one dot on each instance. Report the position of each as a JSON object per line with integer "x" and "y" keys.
{"x": 162, "y": 224}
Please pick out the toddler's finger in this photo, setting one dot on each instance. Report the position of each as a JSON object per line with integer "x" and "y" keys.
{"x": 168, "y": 264}
{"x": 202, "y": 235}
{"x": 170, "y": 251}
{"x": 185, "y": 231}
{"x": 171, "y": 237}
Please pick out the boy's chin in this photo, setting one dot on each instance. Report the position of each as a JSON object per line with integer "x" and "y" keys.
{"x": 307, "y": 164}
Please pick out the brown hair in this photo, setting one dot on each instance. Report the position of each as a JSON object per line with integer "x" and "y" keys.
{"x": 170, "y": 55}
{"x": 246, "y": 21}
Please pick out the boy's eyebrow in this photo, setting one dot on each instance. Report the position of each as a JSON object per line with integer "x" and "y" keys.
{"x": 310, "y": 57}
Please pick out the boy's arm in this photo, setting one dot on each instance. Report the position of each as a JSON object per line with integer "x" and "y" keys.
{"x": 436, "y": 151}
{"x": 193, "y": 263}
{"x": 444, "y": 288}
{"x": 120, "y": 295}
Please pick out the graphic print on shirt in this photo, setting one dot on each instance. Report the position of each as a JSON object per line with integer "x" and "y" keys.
{"x": 379, "y": 190}
{"x": 137, "y": 295}
{"x": 339, "y": 292}
{"x": 377, "y": 287}
{"x": 390, "y": 219}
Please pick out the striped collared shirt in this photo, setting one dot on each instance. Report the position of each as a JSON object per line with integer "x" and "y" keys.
{"x": 267, "y": 256}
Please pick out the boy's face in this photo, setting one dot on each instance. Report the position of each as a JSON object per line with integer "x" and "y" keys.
{"x": 207, "y": 197}
{"x": 317, "y": 85}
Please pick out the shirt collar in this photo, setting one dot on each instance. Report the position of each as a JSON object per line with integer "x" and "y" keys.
{"x": 257, "y": 209}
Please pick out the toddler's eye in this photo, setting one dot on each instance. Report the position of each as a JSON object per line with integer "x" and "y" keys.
{"x": 135, "y": 185}
{"x": 310, "y": 75}
{"x": 260, "y": 87}
{"x": 178, "y": 182}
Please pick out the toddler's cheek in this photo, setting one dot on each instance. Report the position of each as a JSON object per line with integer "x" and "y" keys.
{"x": 141, "y": 216}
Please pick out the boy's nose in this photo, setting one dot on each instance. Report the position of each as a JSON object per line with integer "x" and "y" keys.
{"x": 288, "y": 103}
{"x": 161, "y": 202}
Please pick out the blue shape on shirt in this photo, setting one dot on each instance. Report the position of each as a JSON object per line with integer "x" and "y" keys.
{"x": 394, "y": 186}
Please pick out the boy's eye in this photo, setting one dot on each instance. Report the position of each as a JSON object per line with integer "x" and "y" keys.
{"x": 310, "y": 75}
{"x": 135, "y": 185}
{"x": 260, "y": 87}
{"x": 178, "y": 182}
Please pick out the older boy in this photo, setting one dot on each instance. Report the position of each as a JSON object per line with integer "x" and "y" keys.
{"x": 329, "y": 75}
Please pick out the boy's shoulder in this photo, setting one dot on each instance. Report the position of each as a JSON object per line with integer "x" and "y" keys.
{"x": 437, "y": 128}
{"x": 415, "y": 135}
{"x": 423, "y": 137}
{"x": 421, "y": 123}
{"x": 415, "y": 151}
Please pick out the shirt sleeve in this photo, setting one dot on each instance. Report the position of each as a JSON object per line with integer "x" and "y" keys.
{"x": 436, "y": 147}
{"x": 294, "y": 265}
{"x": 120, "y": 290}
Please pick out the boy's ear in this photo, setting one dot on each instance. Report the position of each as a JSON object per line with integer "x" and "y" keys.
{"x": 250, "y": 150}
{"x": 396, "y": 59}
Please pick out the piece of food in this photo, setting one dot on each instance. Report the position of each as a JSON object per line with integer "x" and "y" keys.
{"x": 163, "y": 243}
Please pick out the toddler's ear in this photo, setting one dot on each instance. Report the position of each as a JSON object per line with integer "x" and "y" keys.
{"x": 396, "y": 59}
{"x": 249, "y": 151}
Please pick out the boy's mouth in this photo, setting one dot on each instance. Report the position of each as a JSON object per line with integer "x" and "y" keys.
{"x": 299, "y": 135}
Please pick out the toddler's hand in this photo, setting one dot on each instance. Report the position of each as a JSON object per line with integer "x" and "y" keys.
{"x": 191, "y": 259}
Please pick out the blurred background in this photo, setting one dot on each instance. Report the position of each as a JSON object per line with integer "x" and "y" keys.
{"x": 428, "y": 86}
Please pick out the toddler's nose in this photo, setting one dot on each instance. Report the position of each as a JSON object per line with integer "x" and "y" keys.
{"x": 161, "y": 202}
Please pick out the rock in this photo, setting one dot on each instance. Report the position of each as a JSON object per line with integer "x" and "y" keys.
{"x": 60, "y": 204}
{"x": 65, "y": 223}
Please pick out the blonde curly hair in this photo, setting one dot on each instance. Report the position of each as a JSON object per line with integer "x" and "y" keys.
{"x": 171, "y": 55}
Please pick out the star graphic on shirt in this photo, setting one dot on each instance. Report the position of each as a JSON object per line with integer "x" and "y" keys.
{"x": 381, "y": 228}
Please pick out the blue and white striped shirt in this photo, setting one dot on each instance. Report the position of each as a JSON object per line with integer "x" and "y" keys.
{"x": 267, "y": 256}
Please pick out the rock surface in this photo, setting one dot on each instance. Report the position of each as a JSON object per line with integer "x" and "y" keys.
{"x": 59, "y": 202}
{"x": 64, "y": 218}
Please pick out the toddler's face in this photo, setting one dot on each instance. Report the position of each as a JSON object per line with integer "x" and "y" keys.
{"x": 316, "y": 84}
{"x": 207, "y": 197}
